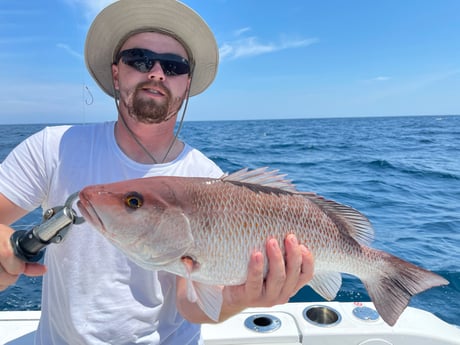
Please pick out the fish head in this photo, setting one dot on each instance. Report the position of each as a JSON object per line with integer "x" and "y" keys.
{"x": 141, "y": 217}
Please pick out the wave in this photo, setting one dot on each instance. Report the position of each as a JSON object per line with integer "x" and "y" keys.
{"x": 382, "y": 164}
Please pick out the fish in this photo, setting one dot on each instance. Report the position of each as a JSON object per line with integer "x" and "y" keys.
{"x": 205, "y": 229}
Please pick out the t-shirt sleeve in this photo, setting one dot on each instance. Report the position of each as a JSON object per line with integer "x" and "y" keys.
{"x": 23, "y": 173}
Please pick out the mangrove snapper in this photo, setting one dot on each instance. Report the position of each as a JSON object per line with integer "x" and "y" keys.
{"x": 205, "y": 229}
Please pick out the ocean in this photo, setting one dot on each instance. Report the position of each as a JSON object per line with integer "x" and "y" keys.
{"x": 403, "y": 173}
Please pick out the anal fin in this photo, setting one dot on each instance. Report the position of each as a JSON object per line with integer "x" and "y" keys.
{"x": 326, "y": 284}
{"x": 210, "y": 299}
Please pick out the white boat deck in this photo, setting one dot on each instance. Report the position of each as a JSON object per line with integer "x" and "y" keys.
{"x": 322, "y": 323}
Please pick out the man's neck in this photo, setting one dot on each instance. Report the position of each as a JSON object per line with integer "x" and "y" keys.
{"x": 155, "y": 142}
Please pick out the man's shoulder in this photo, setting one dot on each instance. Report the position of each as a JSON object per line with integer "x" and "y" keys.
{"x": 195, "y": 163}
{"x": 89, "y": 129}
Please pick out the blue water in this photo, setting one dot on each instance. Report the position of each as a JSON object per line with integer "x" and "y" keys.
{"x": 402, "y": 172}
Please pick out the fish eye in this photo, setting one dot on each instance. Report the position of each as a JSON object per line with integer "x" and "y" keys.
{"x": 134, "y": 200}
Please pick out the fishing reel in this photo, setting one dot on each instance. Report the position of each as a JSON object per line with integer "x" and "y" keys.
{"x": 28, "y": 245}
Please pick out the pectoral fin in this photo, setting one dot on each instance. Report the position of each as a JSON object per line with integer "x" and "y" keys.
{"x": 189, "y": 265}
{"x": 208, "y": 297}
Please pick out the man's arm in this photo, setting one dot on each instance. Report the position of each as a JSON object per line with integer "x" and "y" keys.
{"x": 286, "y": 276}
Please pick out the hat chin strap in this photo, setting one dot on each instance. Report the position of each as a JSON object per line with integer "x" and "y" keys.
{"x": 136, "y": 139}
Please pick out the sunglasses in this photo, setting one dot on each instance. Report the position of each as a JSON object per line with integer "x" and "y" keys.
{"x": 143, "y": 61}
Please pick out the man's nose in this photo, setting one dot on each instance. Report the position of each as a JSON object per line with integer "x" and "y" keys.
{"x": 157, "y": 72}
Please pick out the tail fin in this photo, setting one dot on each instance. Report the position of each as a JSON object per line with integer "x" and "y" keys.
{"x": 399, "y": 281}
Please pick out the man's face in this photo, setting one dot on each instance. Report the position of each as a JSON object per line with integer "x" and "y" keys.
{"x": 153, "y": 96}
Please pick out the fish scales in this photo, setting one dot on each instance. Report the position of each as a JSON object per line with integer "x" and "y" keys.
{"x": 249, "y": 222}
{"x": 206, "y": 229}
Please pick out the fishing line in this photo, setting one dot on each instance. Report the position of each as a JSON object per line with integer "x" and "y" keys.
{"x": 91, "y": 98}
{"x": 133, "y": 135}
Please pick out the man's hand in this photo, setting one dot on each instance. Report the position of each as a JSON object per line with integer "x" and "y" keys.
{"x": 10, "y": 266}
{"x": 286, "y": 275}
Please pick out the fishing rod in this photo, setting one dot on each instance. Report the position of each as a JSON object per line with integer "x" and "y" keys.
{"x": 28, "y": 245}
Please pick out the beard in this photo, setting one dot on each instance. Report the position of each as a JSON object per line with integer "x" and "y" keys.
{"x": 148, "y": 110}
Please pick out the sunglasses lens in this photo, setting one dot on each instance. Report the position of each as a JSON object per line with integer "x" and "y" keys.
{"x": 143, "y": 60}
{"x": 137, "y": 60}
{"x": 171, "y": 67}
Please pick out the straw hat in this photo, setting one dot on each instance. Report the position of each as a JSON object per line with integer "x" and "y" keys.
{"x": 123, "y": 18}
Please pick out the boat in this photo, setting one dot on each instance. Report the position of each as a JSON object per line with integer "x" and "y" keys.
{"x": 323, "y": 323}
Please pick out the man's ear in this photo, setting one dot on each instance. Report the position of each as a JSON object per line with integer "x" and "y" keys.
{"x": 115, "y": 77}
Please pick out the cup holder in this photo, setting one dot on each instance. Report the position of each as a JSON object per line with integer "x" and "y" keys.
{"x": 321, "y": 315}
{"x": 262, "y": 323}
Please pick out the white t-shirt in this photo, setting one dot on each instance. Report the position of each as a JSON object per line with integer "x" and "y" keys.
{"x": 93, "y": 294}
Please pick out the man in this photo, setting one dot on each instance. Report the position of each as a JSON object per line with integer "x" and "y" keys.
{"x": 150, "y": 56}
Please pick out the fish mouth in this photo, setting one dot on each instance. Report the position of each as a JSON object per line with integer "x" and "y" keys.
{"x": 89, "y": 212}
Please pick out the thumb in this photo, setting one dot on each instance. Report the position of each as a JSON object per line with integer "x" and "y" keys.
{"x": 34, "y": 269}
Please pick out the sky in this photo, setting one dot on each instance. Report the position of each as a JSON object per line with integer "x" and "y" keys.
{"x": 278, "y": 59}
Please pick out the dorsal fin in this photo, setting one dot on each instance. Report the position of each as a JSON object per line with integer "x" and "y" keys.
{"x": 345, "y": 217}
{"x": 262, "y": 177}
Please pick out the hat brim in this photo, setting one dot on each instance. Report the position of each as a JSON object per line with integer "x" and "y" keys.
{"x": 122, "y": 18}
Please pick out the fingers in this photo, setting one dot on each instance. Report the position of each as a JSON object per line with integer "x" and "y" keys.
{"x": 6, "y": 279}
{"x": 286, "y": 275}
{"x": 294, "y": 265}
{"x": 277, "y": 274}
{"x": 10, "y": 266}
{"x": 307, "y": 269}
{"x": 34, "y": 269}
{"x": 11, "y": 269}
{"x": 254, "y": 286}
{"x": 249, "y": 294}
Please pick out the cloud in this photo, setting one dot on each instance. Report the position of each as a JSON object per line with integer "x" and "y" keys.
{"x": 69, "y": 50}
{"x": 381, "y": 78}
{"x": 251, "y": 46}
{"x": 241, "y": 31}
{"x": 376, "y": 80}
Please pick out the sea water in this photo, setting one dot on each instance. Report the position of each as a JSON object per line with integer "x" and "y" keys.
{"x": 403, "y": 173}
